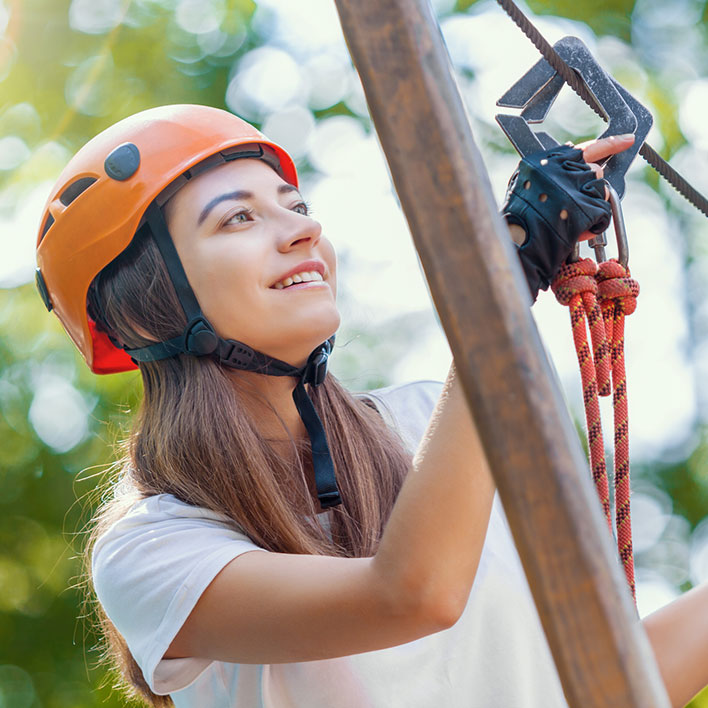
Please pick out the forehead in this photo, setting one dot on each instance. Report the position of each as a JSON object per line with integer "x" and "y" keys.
{"x": 249, "y": 174}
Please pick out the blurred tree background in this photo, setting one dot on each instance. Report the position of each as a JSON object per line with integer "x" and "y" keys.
{"x": 69, "y": 68}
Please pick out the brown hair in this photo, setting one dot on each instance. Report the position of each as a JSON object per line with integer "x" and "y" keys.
{"x": 193, "y": 439}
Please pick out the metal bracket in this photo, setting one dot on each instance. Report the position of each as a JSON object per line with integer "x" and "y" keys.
{"x": 536, "y": 91}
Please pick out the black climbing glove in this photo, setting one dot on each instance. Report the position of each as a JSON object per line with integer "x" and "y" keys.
{"x": 555, "y": 197}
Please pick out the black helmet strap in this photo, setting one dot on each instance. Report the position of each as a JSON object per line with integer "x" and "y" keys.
{"x": 200, "y": 339}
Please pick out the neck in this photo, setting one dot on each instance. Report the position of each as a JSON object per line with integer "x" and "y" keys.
{"x": 278, "y": 392}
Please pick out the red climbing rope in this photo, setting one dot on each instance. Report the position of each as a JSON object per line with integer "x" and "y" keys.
{"x": 617, "y": 294}
{"x": 602, "y": 295}
{"x": 576, "y": 287}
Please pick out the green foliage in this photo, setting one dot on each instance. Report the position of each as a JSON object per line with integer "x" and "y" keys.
{"x": 605, "y": 17}
{"x": 42, "y": 659}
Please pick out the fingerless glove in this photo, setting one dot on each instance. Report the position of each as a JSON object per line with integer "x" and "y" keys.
{"x": 555, "y": 197}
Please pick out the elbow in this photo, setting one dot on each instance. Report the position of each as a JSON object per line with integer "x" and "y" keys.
{"x": 442, "y": 609}
{"x": 432, "y": 609}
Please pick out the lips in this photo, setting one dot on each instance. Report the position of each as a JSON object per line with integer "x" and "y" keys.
{"x": 318, "y": 266}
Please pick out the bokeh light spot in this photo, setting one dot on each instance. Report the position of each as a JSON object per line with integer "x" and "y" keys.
{"x": 692, "y": 113}
{"x": 291, "y": 128}
{"x": 14, "y": 585}
{"x": 200, "y": 16}
{"x": 13, "y": 152}
{"x": 58, "y": 414}
{"x": 8, "y": 57}
{"x": 339, "y": 146}
{"x": 4, "y": 17}
{"x": 90, "y": 86}
{"x": 330, "y": 80}
{"x": 23, "y": 120}
{"x": 651, "y": 512}
{"x": 16, "y": 687}
{"x": 267, "y": 79}
{"x": 95, "y": 16}
{"x": 653, "y": 592}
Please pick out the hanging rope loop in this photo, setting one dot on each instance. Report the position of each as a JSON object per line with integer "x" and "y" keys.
{"x": 617, "y": 294}
{"x": 576, "y": 286}
{"x": 603, "y": 294}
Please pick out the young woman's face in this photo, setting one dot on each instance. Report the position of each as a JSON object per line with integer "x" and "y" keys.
{"x": 239, "y": 229}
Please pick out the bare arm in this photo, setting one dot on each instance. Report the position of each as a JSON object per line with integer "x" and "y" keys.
{"x": 272, "y": 607}
{"x": 678, "y": 634}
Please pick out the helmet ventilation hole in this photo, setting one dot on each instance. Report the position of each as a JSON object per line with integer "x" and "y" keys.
{"x": 48, "y": 222}
{"x": 75, "y": 189}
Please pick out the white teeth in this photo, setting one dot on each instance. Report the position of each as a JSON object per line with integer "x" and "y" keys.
{"x": 304, "y": 277}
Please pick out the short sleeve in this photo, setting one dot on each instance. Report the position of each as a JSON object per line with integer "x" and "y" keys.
{"x": 150, "y": 568}
{"x": 407, "y": 408}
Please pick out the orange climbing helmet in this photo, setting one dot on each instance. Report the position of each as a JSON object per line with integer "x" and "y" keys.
{"x": 100, "y": 200}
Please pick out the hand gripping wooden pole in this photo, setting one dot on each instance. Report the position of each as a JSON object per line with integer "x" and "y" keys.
{"x": 599, "y": 646}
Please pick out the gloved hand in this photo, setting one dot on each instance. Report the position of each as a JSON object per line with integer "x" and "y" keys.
{"x": 555, "y": 197}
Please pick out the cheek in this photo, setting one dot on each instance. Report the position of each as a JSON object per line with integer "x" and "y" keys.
{"x": 329, "y": 255}
{"x": 227, "y": 284}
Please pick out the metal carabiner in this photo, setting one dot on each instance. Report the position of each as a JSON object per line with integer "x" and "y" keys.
{"x": 599, "y": 242}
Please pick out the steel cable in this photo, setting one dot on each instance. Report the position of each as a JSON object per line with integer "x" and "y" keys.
{"x": 679, "y": 183}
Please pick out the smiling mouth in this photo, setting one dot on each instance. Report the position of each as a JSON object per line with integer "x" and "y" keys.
{"x": 302, "y": 286}
{"x": 299, "y": 278}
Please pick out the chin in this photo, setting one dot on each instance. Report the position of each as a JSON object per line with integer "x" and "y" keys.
{"x": 294, "y": 348}
{"x": 317, "y": 339}
{"x": 319, "y": 326}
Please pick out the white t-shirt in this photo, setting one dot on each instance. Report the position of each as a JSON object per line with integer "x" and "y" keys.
{"x": 151, "y": 567}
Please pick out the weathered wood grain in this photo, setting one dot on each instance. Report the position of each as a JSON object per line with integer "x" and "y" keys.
{"x": 600, "y": 649}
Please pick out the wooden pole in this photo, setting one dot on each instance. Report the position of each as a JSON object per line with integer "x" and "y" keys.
{"x": 599, "y": 646}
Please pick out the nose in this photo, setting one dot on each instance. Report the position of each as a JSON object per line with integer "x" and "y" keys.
{"x": 298, "y": 230}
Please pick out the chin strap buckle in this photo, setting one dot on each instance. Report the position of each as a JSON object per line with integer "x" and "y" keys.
{"x": 315, "y": 370}
{"x": 199, "y": 337}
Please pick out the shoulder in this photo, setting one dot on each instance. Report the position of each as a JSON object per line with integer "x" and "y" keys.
{"x": 161, "y": 532}
{"x": 162, "y": 515}
{"x": 421, "y": 388}
{"x": 161, "y": 511}
{"x": 407, "y": 407}
{"x": 150, "y": 567}
{"x": 421, "y": 395}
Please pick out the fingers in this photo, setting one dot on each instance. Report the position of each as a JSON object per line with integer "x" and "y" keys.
{"x": 598, "y": 149}
{"x": 594, "y": 150}
{"x": 599, "y": 174}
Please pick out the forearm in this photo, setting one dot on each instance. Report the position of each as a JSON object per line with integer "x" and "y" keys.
{"x": 434, "y": 537}
{"x": 678, "y": 634}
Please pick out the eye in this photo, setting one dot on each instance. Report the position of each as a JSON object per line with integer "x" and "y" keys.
{"x": 302, "y": 208}
{"x": 240, "y": 217}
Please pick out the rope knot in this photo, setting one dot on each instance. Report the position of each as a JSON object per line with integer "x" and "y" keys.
{"x": 575, "y": 279}
{"x": 614, "y": 284}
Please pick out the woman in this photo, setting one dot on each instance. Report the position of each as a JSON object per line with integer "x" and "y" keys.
{"x": 178, "y": 239}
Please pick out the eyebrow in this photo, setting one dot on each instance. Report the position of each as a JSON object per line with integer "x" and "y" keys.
{"x": 235, "y": 196}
